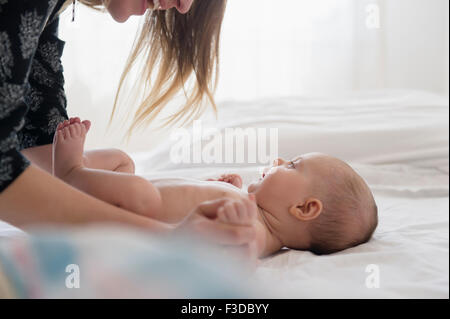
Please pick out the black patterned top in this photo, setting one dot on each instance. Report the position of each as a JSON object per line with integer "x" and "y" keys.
{"x": 32, "y": 98}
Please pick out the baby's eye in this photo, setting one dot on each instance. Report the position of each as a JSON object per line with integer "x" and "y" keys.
{"x": 291, "y": 164}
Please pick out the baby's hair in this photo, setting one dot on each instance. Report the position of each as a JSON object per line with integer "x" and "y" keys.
{"x": 347, "y": 203}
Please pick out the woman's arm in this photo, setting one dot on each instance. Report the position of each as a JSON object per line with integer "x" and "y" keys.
{"x": 36, "y": 197}
{"x": 107, "y": 159}
{"x": 40, "y": 156}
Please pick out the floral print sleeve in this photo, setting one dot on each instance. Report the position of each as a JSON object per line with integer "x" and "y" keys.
{"x": 32, "y": 99}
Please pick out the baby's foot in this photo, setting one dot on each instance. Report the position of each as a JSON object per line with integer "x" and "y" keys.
{"x": 68, "y": 147}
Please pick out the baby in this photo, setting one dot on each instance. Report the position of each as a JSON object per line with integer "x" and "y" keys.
{"x": 313, "y": 202}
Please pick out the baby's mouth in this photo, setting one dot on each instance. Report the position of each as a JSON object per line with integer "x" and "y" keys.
{"x": 263, "y": 172}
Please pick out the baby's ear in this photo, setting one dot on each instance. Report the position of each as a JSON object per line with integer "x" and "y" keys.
{"x": 305, "y": 212}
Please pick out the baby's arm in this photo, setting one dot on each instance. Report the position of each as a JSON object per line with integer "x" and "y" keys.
{"x": 233, "y": 179}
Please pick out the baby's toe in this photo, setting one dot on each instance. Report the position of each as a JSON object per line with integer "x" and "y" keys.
{"x": 66, "y": 132}
{"x": 66, "y": 123}
{"x": 87, "y": 124}
{"x": 80, "y": 130}
{"x": 59, "y": 136}
{"x": 73, "y": 120}
{"x": 73, "y": 130}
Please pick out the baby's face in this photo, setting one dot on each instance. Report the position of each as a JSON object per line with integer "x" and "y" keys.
{"x": 289, "y": 183}
{"x": 294, "y": 193}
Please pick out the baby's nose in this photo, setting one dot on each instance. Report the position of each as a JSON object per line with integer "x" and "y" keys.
{"x": 278, "y": 162}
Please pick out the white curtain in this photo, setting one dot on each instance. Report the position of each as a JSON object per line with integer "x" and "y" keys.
{"x": 294, "y": 47}
{"x": 274, "y": 48}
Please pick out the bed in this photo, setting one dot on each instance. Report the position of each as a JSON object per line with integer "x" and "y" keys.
{"x": 398, "y": 141}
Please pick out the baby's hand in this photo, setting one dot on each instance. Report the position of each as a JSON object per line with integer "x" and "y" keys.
{"x": 243, "y": 213}
{"x": 233, "y": 179}
{"x": 238, "y": 212}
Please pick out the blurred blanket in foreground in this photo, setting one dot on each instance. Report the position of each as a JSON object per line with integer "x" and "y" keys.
{"x": 115, "y": 263}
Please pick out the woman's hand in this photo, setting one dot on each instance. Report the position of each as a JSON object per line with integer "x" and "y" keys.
{"x": 207, "y": 221}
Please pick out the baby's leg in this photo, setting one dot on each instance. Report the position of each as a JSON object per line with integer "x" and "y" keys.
{"x": 124, "y": 190}
{"x": 109, "y": 159}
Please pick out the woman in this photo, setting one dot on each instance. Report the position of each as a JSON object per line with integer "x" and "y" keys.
{"x": 182, "y": 35}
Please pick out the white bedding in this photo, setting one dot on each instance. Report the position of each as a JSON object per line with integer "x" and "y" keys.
{"x": 398, "y": 141}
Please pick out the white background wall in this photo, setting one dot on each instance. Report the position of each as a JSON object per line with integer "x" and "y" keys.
{"x": 299, "y": 47}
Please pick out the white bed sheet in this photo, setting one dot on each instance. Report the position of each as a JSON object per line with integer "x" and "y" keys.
{"x": 398, "y": 141}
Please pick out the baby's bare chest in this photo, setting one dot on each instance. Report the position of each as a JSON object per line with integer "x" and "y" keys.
{"x": 181, "y": 196}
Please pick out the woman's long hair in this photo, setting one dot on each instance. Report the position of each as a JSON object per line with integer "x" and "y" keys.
{"x": 175, "y": 48}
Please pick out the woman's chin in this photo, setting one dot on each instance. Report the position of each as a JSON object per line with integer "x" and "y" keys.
{"x": 121, "y": 19}
{"x": 119, "y": 14}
